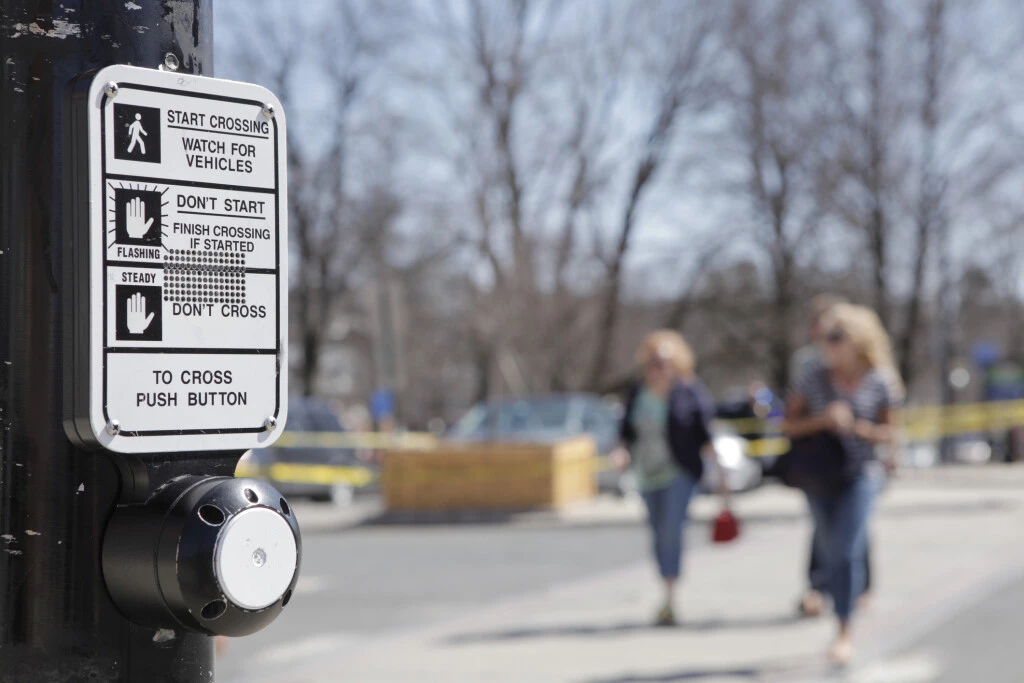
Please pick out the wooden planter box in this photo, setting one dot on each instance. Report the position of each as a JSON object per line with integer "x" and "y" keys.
{"x": 489, "y": 476}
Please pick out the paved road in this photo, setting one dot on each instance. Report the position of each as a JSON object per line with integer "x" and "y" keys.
{"x": 369, "y": 582}
{"x": 367, "y": 586}
{"x": 981, "y": 643}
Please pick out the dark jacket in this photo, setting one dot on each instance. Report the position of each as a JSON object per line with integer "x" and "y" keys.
{"x": 690, "y": 412}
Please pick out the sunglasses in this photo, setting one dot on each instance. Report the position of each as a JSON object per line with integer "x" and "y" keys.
{"x": 655, "y": 363}
{"x": 835, "y": 337}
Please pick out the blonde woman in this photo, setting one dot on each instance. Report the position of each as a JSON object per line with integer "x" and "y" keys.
{"x": 849, "y": 394}
{"x": 665, "y": 432}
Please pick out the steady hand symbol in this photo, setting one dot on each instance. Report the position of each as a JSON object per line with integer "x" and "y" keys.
{"x": 137, "y": 319}
{"x": 135, "y": 222}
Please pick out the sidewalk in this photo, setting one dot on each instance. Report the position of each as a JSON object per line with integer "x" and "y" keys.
{"x": 942, "y": 541}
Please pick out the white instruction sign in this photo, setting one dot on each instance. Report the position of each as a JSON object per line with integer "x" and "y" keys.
{"x": 187, "y": 265}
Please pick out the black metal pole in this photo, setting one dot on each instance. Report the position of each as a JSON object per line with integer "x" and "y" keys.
{"x": 57, "y": 622}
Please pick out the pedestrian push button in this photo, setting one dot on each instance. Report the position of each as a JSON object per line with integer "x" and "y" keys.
{"x": 215, "y": 555}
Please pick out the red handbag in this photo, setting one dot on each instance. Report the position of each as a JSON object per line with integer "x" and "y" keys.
{"x": 726, "y": 527}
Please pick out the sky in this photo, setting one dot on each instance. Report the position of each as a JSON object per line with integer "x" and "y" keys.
{"x": 678, "y": 215}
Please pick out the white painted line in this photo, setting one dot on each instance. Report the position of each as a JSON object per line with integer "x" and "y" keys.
{"x": 923, "y": 622}
{"x": 911, "y": 668}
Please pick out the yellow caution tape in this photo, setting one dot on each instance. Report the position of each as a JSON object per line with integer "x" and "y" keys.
{"x": 766, "y": 448}
{"x": 750, "y": 425}
{"x": 918, "y": 423}
{"x": 477, "y": 473}
{"x": 321, "y": 474}
{"x": 299, "y": 473}
{"x": 931, "y": 422}
{"x": 418, "y": 441}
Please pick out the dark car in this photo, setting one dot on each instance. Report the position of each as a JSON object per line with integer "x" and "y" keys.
{"x": 308, "y": 470}
{"x": 559, "y": 416}
{"x": 756, "y": 417}
{"x": 544, "y": 419}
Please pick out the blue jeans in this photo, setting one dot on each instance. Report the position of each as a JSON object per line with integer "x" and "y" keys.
{"x": 841, "y": 533}
{"x": 666, "y": 513}
{"x": 817, "y": 572}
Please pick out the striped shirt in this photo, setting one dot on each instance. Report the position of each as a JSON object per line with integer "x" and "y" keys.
{"x": 868, "y": 400}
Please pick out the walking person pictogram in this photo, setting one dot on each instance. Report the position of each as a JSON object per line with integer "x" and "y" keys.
{"x": 134, "y": 130}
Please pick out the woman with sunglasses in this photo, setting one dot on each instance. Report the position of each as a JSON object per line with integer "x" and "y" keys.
{"x": 848, "y": 394}
{"x": 665, "y": 434}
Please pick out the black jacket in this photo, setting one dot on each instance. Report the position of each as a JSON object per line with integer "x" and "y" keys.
{"x": 690, "y": 412}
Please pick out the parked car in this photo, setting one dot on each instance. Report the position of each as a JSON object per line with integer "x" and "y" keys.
{"x": 305, "y": 415}
{"x": 742, "y": 473}
{"x": 544, "y": 419}
{"x": 558, "y": 416}
{"x": 754, "y": 417}
{"x": 965, "y": 449}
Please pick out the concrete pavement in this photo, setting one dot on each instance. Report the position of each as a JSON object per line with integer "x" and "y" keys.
{"x": 371, "y": 583}
{"x": 945, "y": 541}
{"x": 982, "y": 643}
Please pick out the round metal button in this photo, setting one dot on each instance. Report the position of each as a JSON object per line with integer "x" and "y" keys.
{"x": 255, "y": 558}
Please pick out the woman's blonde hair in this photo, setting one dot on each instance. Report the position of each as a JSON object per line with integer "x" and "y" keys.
{"x": 669, "y": 346}
{"x": 865, "y": 330}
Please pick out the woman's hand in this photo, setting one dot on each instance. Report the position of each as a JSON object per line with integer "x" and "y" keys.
{"x": 864, "y": 429}
{"x": 620, "y": 458}
{"x": 711, "y": 457}
{"x": 723, "y": 489}
{"x": 840, "y": 417}
{"x": 871, "y": 432}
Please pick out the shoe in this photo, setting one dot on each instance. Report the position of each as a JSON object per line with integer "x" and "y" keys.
{"x": 811, "y": 604}
{"x": 841, "y": 653}
{"x": 665, "y": 617}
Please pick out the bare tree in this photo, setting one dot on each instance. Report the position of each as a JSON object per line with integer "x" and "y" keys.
{"x": 524, "y": 102}
{"x": 511, "y": 163}
{"x": 478, "y": 92}
{"x": 588, "y": 75}
{"x": 969, "y": 154}
{"x": 683, "y": 40}
{"x": 331, "y": 234}
{"x": 780, "y": 119}
{"x": 872, "y": 121}
{"x": 931, "y": 187}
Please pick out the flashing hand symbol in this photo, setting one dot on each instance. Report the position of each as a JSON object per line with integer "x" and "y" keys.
{"x": 137, "y": 321}
{"x": 135, "y": 221}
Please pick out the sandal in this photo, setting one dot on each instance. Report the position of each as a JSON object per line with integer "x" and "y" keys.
{"x": 665, "y": 617}
{"x": 811, "y": 604}
{"x": 840, "y": 653}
